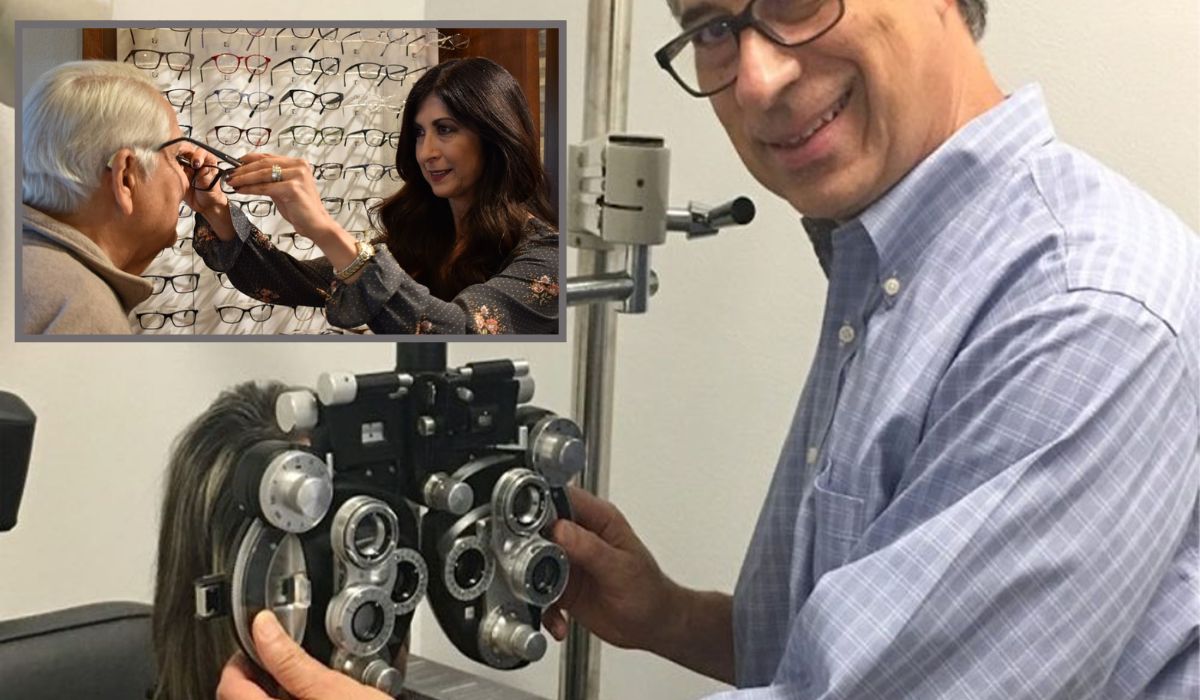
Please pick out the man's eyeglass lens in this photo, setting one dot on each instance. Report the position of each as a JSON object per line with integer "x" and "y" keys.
{"x": 704, "y": 58}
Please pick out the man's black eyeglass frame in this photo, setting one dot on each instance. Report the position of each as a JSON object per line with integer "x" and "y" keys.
{"x": 735, "y": 25}
{"x": 196, "y": 172}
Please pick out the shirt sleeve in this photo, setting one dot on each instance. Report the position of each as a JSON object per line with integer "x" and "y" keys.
{"x": 521, "y": 298}
{"x": 1045, "y": 523}
{"x": 260, "y": 270}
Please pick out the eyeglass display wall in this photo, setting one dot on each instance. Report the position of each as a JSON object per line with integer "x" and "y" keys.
{"x": 330, "y": 96}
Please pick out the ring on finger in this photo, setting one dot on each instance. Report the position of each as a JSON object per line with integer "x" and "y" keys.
{"x": 276, "y": 173}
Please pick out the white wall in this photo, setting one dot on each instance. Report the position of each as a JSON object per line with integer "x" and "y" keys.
{"x": 706, "y": 382}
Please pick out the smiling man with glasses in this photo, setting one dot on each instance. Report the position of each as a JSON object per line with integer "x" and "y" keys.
{"x": 105, "y": 169}
{"x": 990, "y": 487}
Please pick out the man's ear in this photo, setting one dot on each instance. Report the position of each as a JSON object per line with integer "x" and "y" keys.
{"x": 126, "y": 175}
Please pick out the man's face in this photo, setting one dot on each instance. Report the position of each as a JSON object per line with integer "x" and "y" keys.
{"x": 158, "y": 207}
{"x": 878, "y": 90}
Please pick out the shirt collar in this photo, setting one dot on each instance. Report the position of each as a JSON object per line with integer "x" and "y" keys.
{"x": 903, "y": 221}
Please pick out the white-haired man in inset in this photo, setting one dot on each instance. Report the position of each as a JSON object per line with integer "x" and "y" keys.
{"x": 102, "y": 183}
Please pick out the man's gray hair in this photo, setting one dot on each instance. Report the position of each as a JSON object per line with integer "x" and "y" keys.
{"x": 74, "y": 119}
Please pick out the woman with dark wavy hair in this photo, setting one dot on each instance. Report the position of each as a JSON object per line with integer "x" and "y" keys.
{"x": 468, "y": 243}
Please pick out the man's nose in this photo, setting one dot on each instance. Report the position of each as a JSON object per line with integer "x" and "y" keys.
{"x": 765, "y": 70}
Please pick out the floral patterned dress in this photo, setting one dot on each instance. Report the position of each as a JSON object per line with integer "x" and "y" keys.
{"x": 522, "y": 297}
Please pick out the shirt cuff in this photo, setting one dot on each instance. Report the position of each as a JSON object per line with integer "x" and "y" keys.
{"x": 355, "y": 304}
{"x": 221, "y": 255}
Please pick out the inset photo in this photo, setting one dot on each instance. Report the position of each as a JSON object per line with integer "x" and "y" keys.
{"x": 232, "y": 181}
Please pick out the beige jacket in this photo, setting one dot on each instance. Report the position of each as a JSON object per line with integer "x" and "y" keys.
{"x": 68, "y": 284}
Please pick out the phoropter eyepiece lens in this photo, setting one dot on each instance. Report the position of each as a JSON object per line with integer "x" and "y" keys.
{"x": 367, "y": 622}
{"x": 546, "y": 575}
{"x": 469, "y": 569}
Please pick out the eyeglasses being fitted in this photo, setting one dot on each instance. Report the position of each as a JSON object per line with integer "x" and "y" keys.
{"x": 205, "y": 177}
{"x": 704, "y": 59}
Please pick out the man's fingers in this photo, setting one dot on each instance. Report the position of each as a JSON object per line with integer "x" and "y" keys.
{"x": 296, "y": 671}
{"x": 598, "y": 516}
{"x": 584, "y": 549}
{"x": 555, "y": 622}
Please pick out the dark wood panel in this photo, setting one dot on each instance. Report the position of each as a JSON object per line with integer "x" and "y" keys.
{"x": 515, "y": 49}
{"x": 100, "y": 44}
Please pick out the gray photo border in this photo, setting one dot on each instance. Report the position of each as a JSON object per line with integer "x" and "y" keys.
{"x": 18, "y": 176}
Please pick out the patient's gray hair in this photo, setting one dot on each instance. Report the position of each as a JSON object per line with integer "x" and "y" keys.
{"x": 74, "y": 119}
{"x": 973, "y": 11}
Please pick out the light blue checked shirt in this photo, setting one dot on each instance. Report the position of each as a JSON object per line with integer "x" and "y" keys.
{"x": 990, "y": 487}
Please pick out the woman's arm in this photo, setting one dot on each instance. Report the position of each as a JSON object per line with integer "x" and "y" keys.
{"x": 521, "y": 298}
{"x": 229, "y": 243}
{"x": 257, "y": 268}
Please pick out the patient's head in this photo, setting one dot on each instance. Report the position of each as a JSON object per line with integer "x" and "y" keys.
{"x": 197, "y": 533}
{"x": 93, "y": 157}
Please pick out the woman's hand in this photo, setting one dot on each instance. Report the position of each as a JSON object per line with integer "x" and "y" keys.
{"x": 294, "y": 192}
{"x": 209, "y": 201}
{"x": 302, "y": 676}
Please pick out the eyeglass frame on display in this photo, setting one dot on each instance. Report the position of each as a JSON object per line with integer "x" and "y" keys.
{"x": 241, "y": 133}
{"x": 191, "y": 57}
{"x": 191, "y": 97}
{"x": 337, "y": 65}
{"x": 241, "y": 61}
{"x": 317, "y": 30}
{"x": 383, "y": 73}
{"x": 243, "y": 311}
{"x": 389, "y": 171}
{"x": 341, "y": 96}
{"x": 387, "y": 137}
{"x": 243, "y": 204}
{"x": 160, "y": 283}
{"x": 242, "y": 97}
{"x": 291, "y": 130}
{"x": 253, "y": 36}
{"x": 167, "y": 315}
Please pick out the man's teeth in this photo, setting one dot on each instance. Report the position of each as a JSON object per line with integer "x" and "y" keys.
{"x": 825, "y": 119}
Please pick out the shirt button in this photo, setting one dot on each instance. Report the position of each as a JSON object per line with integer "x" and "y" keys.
{"x": 811, "y": 457}
{"x": 891, "y": 287}
{"x": 846, "y": 334}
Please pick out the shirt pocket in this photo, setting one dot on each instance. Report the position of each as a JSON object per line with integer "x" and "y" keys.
{"x": 840, "y": 520}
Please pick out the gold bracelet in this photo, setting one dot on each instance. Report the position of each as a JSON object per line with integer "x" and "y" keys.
{"x": 366, "y": 251}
